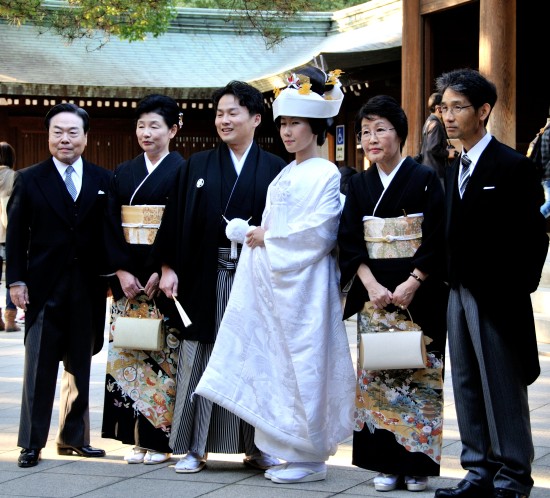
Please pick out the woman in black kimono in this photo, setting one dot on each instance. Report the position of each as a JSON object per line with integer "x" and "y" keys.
{"x": 399, "y": 413}
{"x": 140, "y": 385}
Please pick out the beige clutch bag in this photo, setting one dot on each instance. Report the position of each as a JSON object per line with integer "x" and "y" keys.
{"x": 143, "y": 333}
{"x": 387, "y": 345}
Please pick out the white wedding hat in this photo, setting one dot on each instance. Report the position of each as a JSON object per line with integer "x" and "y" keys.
{"x": 298, "y": 100}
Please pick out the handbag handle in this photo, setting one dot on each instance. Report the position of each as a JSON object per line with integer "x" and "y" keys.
{"x": 157, "y": 311}
{"x": 371, "y": 311}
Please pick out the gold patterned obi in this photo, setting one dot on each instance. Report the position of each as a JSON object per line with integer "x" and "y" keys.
{"x": 141, "y": 223}
{"x": 393, "y": 237}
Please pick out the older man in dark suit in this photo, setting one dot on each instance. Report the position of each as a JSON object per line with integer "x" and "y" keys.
{"x": 55, "y": 250}
{"x": 496, "y": 247}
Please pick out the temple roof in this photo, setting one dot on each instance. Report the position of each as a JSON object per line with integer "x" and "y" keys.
{"x": 201, "y": 51}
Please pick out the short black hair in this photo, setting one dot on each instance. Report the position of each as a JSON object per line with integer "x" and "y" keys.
{"x": 247, "y": 95}
{"x": 470, "y": 83}
{"x": 66, "y": 107}
{"x": 7, "y": 155}
{"x": 387, "y": 107}
{"x": 434, "y": 100}
{"x": 163, "y": 105}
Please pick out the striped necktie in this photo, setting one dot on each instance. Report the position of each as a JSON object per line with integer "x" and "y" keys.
{"x": 464, "y": 174}
{"x": 69, "y": 182}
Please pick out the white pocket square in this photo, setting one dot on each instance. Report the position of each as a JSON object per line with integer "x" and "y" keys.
{"x": 489, "y": 188}
{"x": 100, "y": 192}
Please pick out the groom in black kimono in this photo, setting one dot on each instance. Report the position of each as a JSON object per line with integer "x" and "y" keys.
{"x": 215, "y": 187}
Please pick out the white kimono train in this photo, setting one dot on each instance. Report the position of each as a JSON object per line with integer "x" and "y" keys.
{"x": 281, "y": 360}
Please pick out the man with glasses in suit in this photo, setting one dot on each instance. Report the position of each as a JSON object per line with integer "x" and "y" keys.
{"x": 496, "y": 246}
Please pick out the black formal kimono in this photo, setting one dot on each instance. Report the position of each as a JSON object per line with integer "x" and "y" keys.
{"x": 192, "y": 241}
{"x": 402, "y": 434}
{"x": 140, "y": 385}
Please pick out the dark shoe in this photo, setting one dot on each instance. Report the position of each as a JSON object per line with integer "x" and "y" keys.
{"x": 465, "y": 489}
{"x": 83, "y": 451}
{"x": 508, "y": 493}
{"x": 28, "y": 458}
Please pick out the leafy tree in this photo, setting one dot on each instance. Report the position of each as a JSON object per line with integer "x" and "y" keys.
{"x": 134, "y": 20}
{"x": 128, "y": 19}
{"x": 312, "y": 5}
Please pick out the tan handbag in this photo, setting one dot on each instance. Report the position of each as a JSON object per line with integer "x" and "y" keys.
{"x": 393, "y": 342}
{"x": 142, "y": 332}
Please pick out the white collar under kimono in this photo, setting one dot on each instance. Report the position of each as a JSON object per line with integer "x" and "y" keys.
{"x": 386, "y": 180}
{"x": 150, "y": 168}
{"x": 149, "y": 165}
{"x": 239, "y": 163}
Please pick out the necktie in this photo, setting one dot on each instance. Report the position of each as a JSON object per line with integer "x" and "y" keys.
{"x": 464, "y": 174}
{"x": 69, "y": 182}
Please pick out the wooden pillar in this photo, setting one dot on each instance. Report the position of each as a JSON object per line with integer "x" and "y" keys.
{"x": 412, "y": 77}
{"x": 497, "y": 62}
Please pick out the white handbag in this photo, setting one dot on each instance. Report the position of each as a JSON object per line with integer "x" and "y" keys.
{"x": 143, "y": 332}
{"x": 391, "y": 343}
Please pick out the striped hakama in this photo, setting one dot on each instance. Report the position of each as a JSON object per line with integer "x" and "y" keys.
{"x": 200, "y": 425}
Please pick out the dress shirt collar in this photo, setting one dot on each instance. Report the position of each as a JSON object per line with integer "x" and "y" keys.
{"x": 77, "y": 165}
{"x": 475, "y": 152}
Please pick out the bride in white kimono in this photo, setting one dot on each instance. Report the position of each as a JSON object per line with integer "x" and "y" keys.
{"x": 281, "y": 360}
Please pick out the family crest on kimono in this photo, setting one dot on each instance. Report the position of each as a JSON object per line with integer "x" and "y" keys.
{"x": 281, "y": 359}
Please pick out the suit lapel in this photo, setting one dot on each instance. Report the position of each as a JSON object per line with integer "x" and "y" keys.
{"x": 451, "y": 185}
{"x": 482, "y": 176}
{"x": 89, "y": 191}
{"x": 50, "y": 183}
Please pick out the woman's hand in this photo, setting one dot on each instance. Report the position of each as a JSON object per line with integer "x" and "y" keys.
{"x": 131, "y": 286}
{"x": 404, "y": 293}
{"x": 255, "y": 238}
{"x": 152, "y": 286}
{"x": 169, "y": 282}
{"x": 378, "y": 294}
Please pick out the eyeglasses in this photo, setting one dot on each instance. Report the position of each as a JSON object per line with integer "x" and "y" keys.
{"x": 454, "y": 109}
{"x": 379, "y": 132}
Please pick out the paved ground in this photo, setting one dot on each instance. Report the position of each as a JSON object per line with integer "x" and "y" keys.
{"x": 225, "y": 475}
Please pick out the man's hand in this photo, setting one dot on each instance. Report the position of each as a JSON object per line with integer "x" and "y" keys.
{"x": 20, "y": 296}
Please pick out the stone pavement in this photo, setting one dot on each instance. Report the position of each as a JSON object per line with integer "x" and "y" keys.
{"x": 225, "y": 475}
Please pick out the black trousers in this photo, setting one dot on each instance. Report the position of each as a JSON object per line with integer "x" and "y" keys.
{"x": 63, "y": 332}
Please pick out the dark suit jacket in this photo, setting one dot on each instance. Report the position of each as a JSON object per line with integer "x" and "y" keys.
{"x": 46, "y": 233}
{"x": 497, "y": 242}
